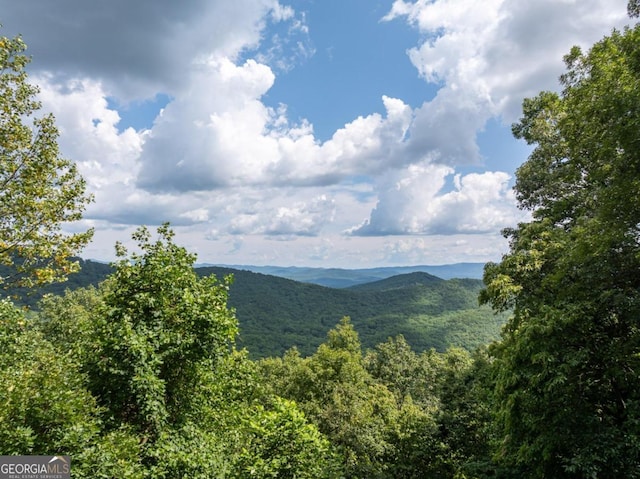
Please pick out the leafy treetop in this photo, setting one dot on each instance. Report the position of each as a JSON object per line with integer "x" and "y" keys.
{"x": 39, "y": 190}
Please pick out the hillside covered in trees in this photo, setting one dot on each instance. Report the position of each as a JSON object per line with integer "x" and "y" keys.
{"x": 275, "y": 314}
{"x": 140, "y": 377}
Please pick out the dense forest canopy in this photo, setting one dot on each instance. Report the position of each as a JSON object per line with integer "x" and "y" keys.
{"x": 276, "y": 314}
{"x": 142, "y": 376}
{"x": 567, "y": 389}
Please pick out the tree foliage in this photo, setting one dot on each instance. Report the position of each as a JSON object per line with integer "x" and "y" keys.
{"x": 43, "y": 403}
{"x": 152, "y": 352}
{"x": 336, "y": 392}
{"x": 392, "y": 413}
{"x": 39, "y": 190}
{"x": 46, "y": 407}
{"x": 161, "y": 326}
{"x": 568, "y": 385}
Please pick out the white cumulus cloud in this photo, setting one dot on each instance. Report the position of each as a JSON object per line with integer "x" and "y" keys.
{"x": 413, "y": 201}
{"x": 232, "y": 172}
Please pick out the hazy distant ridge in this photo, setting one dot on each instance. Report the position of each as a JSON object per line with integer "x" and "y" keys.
{"x": 276, "y": 313}
{"x": 345, "y": 278}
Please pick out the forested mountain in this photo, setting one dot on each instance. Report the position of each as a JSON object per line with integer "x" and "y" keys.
{"x": 344, "y": 278}
{"x": 399, "y": 281}
{"x": 276, "y": 314}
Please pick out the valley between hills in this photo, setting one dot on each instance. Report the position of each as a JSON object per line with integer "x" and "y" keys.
{"x": 276, "y": 313}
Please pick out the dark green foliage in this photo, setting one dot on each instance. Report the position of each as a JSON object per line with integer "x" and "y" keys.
{"x": 405, "y": 372}
{"x": 568, "y": 383}
{"x": 443, "y": 428}
{"x": 276, "y": 314}
{"x": 399, "y": 282}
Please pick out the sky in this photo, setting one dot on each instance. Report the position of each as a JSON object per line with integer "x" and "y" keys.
{"x": 322, "y": 133}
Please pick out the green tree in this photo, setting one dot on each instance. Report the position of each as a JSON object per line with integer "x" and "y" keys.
{"x": 464, "y": 418}
{"x": 444, "y": 416}
{"x": 413, "y": 435}
{"x": 68, "y": 322}
{"x": 280, "y": 443}
{"x": 156, "y": 344}
{"x": 39, "y": 190}
{"x": 568, "y": 385}
{"x": 45, "y": 407}
{"x": 337, "y": 394}
{"x": 161, "y": 328}
{"x": 404, "y": 372}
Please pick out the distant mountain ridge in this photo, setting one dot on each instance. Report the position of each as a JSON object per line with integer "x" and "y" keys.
{"x": 417, "y": 278}
{"x": 276, "y": 313}
{"x": 345, "y": 278}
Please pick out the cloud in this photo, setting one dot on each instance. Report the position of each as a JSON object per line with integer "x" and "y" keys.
{"x": 219, "y": 134}
{"x": 488, "y": 56}
{"x": 212, "y": 134}
{"x": 229, "y": 171}
{"x": 440, "y": 249}
{"x": 140, "y": 48}
{"x": 89, "y": 131}
{"x": 412, "y": 202}
{"x": 302, "y": 218}
{"x": 498, "y": 52}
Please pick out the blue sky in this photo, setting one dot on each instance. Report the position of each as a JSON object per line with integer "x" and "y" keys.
{"x": 317, "y": 133}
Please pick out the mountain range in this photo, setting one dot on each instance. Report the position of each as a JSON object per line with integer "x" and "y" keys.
{"x": 343, "y": 278}
{"x": 276, "y": 313}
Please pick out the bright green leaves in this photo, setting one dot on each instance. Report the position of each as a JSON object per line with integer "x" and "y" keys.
{"x": 337, "y": 394}
{"x": 281, "y": 444}
{"x": 41, "y": 395}
{"x": 161, "y": 325}
{"x": 391, "y": 413}
{"x": 45, "y": 406}
{"x": 164, "y": 392}
{"x": 39, "y": 190}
